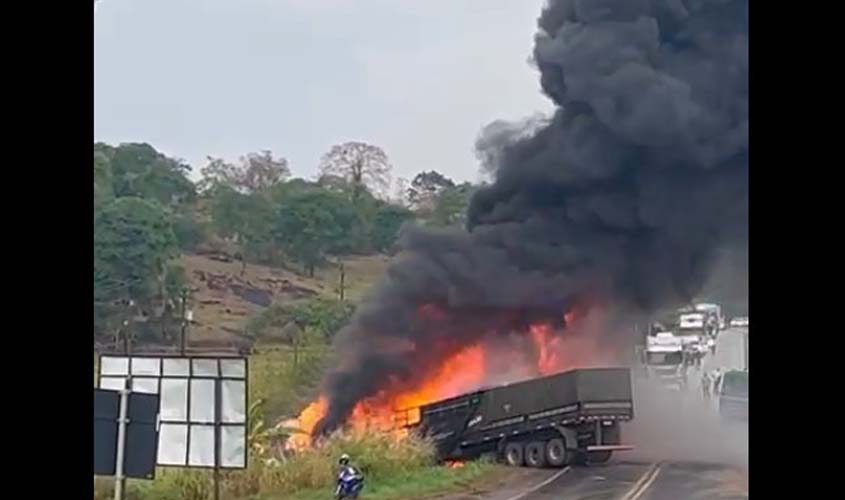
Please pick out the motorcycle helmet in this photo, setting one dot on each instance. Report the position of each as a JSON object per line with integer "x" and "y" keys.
{"x": 344, "y": 459}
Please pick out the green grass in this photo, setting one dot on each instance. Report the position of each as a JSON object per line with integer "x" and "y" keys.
{"x": 285, "y": 386}
{"x": 421, "y": 483}
{"x": 362, "y": 273}
{"x": 424, "y": 482}
{"x": 393, "y": 469}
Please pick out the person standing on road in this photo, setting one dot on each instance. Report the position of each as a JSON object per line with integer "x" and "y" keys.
{"x": 717, "y": 377}
{"x": 706, "y": 384}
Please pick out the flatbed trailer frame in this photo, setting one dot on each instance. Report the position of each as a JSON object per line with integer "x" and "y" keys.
{"x": 568, "y": 418}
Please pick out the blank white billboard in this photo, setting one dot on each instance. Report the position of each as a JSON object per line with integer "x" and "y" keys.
{"x": 203, "y": 405}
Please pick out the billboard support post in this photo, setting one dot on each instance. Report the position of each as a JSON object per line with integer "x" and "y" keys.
{"x": 217, "y": 447}
{"x": 120, "y": 480}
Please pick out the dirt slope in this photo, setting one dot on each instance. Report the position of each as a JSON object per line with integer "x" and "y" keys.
{"x": 225, "y": 294}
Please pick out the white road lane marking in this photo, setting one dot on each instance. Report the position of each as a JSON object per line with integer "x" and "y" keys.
{"x": 538, "y": 486}
{"x": 643, "y": 483}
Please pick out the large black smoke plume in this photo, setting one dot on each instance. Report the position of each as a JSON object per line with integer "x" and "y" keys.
{"x": 621, "y": 198}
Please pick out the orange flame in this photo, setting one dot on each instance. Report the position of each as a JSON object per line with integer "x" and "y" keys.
{"x": 396, "y": 406}
{"x": 304, "y": 424}
{"x": 548, "y": 348}
{"x": 459, "y": 373}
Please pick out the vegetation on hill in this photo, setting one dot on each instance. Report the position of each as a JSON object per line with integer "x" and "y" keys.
{"x": 151, "y": 221}
{"x": 270, "y": 260}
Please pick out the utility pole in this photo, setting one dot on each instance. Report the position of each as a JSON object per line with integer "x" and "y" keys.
{"x": 127, "y": 341}
{"x": 341, "y": 289}
{"x": 183, "y": 333}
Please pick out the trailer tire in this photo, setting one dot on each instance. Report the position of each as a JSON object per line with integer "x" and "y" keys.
{"x": 556, "y": 453}
{"x": 598, "y": 457}
{"x": 514, "y": 454}
{"x": 535, "y": 454}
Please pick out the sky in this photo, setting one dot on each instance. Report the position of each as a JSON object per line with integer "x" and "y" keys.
{"x": 223, "y": 78}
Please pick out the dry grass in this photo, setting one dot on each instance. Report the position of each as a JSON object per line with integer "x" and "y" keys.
{"x": 362, "y": 272}
{"x": 393, "y": 469}
{"x": 221, "y": 315}
{"x": 285, "y": 387}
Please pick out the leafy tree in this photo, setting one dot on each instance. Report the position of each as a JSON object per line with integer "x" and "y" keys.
{"x": 133, "y": 246}
{"x": 243, "y": 218}
{"x": 190, "y": 232}
{"x": 364, "y": 166}
{"x": 138, "y": 170}
{"x": 255, "y": 172}
{"x": 386, "y": 223}
{"x": 103, "y": 190}
{"x": 451, "y": 205}
{"x": 292, "y": 188}
{"x": 342, "y": 186}
{"x": 311, "y": 224}
{"x": 320, "y": 316}
{"x": 425, "y": 188}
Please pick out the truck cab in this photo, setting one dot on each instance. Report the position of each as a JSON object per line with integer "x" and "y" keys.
{"x": 733, "y": 395}
{"x": 664, "y": 360}
{"x": 693, "y": 330}
{"x": 715, "y": 319}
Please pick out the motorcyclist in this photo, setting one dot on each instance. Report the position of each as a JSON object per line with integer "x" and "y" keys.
{"x": 346, "y": 474}
{"x": 343, "y": 463}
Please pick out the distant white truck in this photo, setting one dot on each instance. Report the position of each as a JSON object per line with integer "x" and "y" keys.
{"x": 664, "y": 360}
{"x": 713, "y": 311}
{"x": 692, "y": 328}
{"x": 740, "y": 322}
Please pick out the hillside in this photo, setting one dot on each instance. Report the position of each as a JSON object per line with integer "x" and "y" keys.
{"x": 225, "y": 294}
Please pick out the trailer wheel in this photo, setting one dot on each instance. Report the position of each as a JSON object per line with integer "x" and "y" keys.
{"x": 535, "y": 454}
{"x": 556, "y": 453}
{"x": 598, "y": 457}
{"x": 514, "y": 454}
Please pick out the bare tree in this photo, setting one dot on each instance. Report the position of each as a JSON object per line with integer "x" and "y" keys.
{"x": 261, "y": 171}
{"x": 255, "y": 172}
{"x": 363, "y": 165}
{"x": 400, "y": 192}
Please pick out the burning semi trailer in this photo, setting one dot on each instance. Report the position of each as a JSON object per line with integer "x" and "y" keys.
{"x": 467, "y": 408}
{"x": 572, "y": 417}
{"x": 613, "y": 207}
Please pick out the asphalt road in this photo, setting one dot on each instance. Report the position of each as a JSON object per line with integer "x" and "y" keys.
{"x": 684, "y": 451}
{"x": 646, "y": 481}
{"x": 729, "y": 351}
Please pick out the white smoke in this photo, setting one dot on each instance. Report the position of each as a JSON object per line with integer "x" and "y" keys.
{"x": 683, "y": 427}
